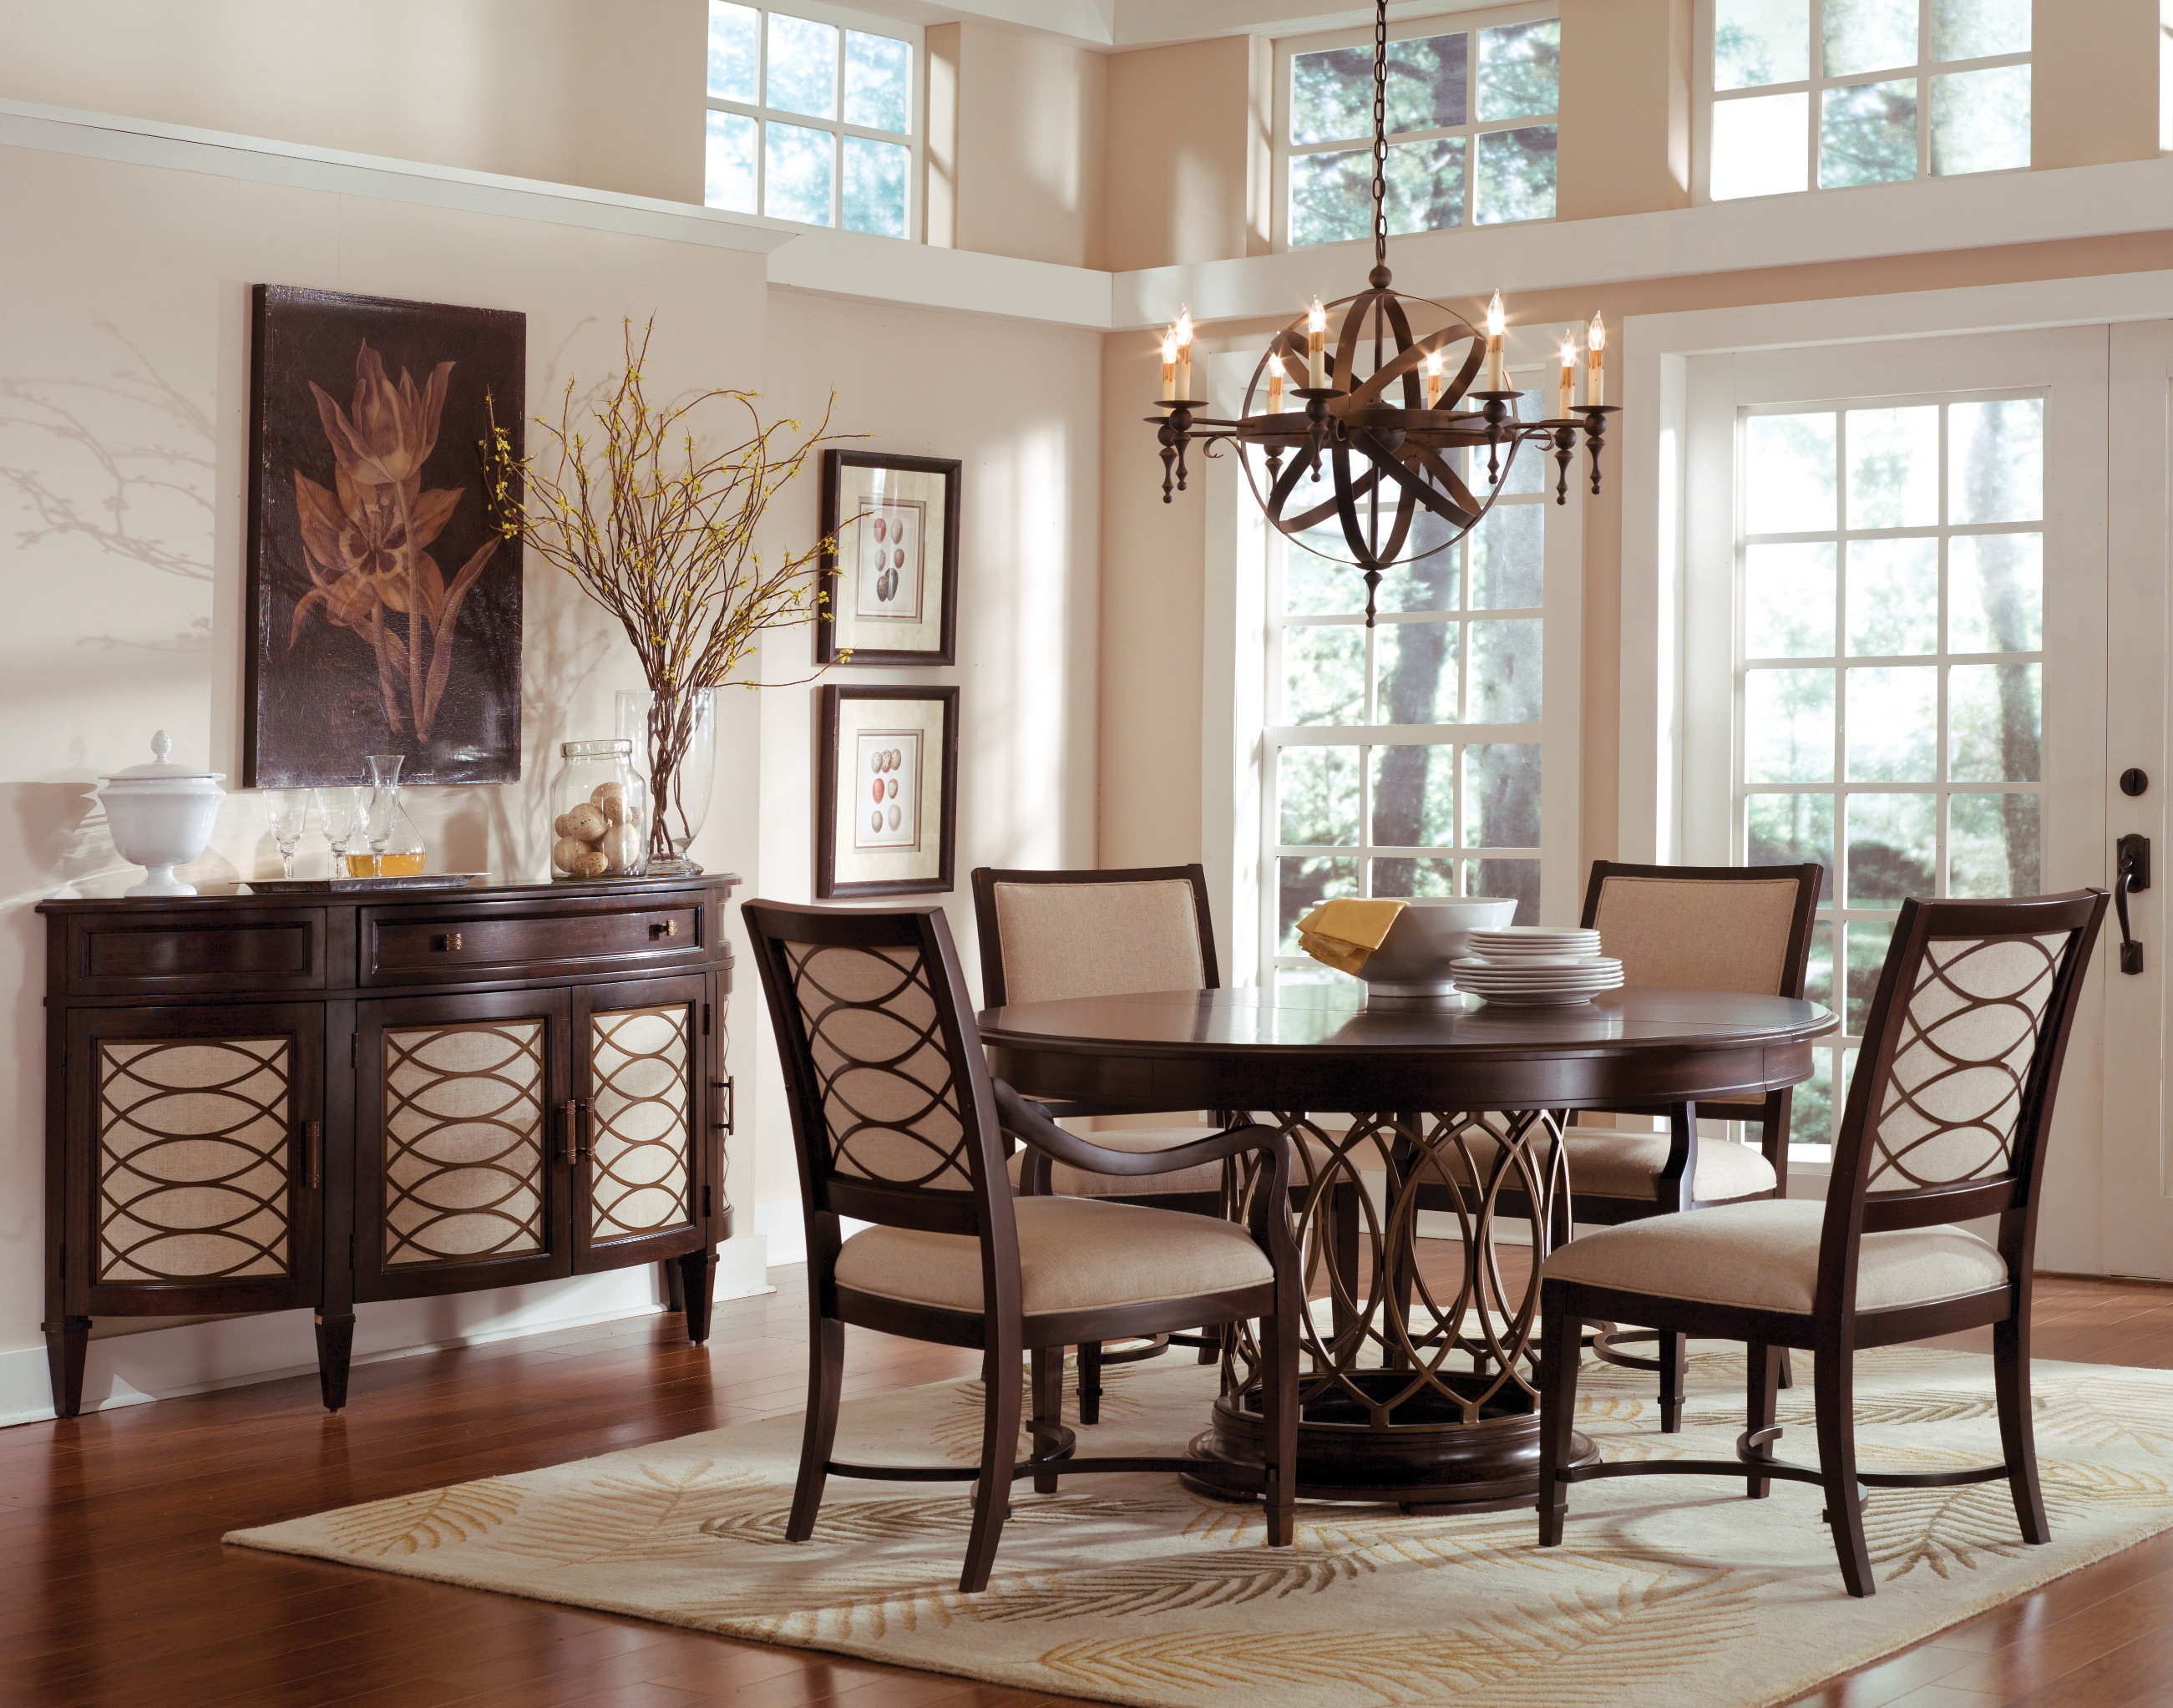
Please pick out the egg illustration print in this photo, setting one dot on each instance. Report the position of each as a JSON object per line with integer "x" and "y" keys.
{"x": 893, "y": 818}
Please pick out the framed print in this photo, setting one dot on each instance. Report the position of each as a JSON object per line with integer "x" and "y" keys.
{"x": 384, "y": 604}
{"x": 887, "y": 791}
{"x": 893, "y": 573}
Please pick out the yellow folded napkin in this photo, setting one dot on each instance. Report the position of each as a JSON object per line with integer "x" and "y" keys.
{"x": 1343, "y": 934}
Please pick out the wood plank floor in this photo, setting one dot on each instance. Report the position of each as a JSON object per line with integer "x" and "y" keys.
{"x": 117, "y": 1590}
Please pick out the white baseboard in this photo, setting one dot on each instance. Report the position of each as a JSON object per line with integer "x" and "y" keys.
{"x": 780, "y": 1222}
{"x": 195, "y": 1357}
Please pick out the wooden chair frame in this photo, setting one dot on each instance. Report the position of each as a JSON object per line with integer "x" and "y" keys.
{"x": 1833, "y": 1329}
{"x": 987, "y": 1109}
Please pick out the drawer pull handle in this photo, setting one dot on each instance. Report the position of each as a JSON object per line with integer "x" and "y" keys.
{"x": 664, "y": 927}
{"x": 727, "y": 1105}
{"x": 446, "y": 942}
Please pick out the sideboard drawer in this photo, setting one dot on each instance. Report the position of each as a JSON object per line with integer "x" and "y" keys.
{"x": 408, "y": 946}
{"x": 112, "y": 954}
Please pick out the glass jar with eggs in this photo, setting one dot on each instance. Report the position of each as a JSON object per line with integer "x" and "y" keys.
{"x": 599, "y": 826}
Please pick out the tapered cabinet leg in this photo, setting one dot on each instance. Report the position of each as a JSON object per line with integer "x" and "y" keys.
{"x": 335, "y": 1350}
{"x": 67, "y": 1343}
{"x": 675, "y": 1290}
{"x": 698, "y": 1285}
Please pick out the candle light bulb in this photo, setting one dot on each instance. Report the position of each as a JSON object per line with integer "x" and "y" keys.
{"x": 1433, "y": 378}
{"x": 1316, "y": 342}
{"x": 1595, "y": 364}
{"x": 1497, "y": 323}
{"x": 1183, "y": 333}
{"x": 1568, "y": 380}
{"x": 1596, "y": 333}
{"x": 1316, "y": 319}
{"x": 1169, "y": 366}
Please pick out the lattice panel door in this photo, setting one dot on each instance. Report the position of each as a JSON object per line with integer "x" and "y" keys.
{"x": 192, "y": 1164}
{"x": 640, "y": 1179}
{"x": 464, "y": 1141}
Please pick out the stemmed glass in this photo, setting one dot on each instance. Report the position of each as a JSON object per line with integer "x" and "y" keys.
{"x": 290, "y": 811}
{"x": 381, "y": 808}
{"x": 341, "y": 810}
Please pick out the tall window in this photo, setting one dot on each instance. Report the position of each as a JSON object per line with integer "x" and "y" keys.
{"x": 1404, "y": 760}
{"x": 809, "y": 120}
{"x": 1889, "y": 654}
{"x": 1838, "y": 92}
{"x": 1471, "y": 120}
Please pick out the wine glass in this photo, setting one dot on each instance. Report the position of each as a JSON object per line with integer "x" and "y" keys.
{"x": 381, "y": 813}
{"x": 341, "y": 810}
{"x": 289, "y": 812}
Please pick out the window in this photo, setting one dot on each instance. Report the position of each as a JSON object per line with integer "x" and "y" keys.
{"x": 809, "y": 120}
{"x": 1406, "y": 760}
{"x": 1890, "y": 656}
{"x": 1470, "y": 121}
{"x": 1868, "y": 91}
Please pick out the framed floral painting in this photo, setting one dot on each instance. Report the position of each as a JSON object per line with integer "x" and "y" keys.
{"x": 885, "y": 791}
{"x": 385, "y": 604}
{"x": 891, "y": 575}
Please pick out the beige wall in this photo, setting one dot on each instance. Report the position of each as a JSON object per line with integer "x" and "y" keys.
{"x": 1181, "y": 170}
{"x": 1030, "y": 147}
{"x": 608, "y": 96}
{"x": 1624, "y": 129}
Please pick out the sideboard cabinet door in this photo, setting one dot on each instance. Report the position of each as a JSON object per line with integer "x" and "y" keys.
{"x": 640, "y": 1113}
{"x": 462, "y": 1143}
{"x": 194, "y": 1147}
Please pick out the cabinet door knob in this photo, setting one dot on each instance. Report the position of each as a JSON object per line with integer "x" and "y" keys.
{"x": 446, "y": 942}
{"x": 664, "y": 927}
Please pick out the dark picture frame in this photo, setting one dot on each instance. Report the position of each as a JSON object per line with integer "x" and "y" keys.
{"x": 866, "y": 494}
{"x": 892, "y": 749}
{"x": 368, "y": 499}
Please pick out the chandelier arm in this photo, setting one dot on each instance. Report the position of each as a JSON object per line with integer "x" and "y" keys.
{"x": 1346, "y": 511}
{"x": 1286, "y": 482}
{"x": 1328, "y": 507}
{"x": 1444, "y": 475}
{"x": 1384, "y": 461}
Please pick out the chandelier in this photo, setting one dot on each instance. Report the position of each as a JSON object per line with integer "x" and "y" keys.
{"x": 1387, "y": 428}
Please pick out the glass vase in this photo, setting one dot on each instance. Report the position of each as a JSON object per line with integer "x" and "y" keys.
{"x": 395, "y": 846}
{"x": 599, "y": 824}
{"x": 675, "y": 738}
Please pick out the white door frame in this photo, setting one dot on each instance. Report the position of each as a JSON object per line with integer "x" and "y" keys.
{"x": 2129, "y": 1232}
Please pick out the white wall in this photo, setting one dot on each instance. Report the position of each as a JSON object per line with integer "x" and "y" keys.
{"x": 1019, "y": 405}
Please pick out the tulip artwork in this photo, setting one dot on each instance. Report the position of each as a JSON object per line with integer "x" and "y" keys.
{"x": 387, "y": 602}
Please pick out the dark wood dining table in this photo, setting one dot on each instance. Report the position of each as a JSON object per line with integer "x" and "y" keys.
{"x": 1412, "y": 1393}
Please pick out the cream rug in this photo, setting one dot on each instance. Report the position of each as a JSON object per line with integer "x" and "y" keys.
{"x": 1128, "y": 1589}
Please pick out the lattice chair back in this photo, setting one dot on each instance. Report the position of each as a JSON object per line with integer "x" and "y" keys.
{"x": 1948, "y": 1116}
{"x": 892, "y": 1112}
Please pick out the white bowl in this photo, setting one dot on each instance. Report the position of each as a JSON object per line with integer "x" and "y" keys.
{"x": 1413, "y": 960}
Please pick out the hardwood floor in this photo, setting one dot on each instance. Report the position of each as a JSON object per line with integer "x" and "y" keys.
{"x": 119, "y": 1591}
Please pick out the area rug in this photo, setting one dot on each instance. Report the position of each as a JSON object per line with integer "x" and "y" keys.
{"x": 1128, "y": 1589}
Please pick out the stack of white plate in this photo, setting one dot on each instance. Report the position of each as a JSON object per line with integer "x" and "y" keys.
{"x": 1530, "y": 966}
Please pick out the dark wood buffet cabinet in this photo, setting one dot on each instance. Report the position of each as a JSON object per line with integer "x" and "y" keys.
{"x": 262, "y": 1102}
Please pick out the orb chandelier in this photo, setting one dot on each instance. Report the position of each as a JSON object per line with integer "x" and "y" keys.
{"x": 1386, "y": 433}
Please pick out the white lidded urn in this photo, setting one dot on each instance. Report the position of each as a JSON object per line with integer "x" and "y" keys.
{"x": 161, "y": 816}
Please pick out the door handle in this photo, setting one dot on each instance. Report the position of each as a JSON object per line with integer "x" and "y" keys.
{"x": 567, "y": 1153}
{"x": 584, "y": 1126}
{"x": 2132, "y": 873}
{"x": 727, "y": 1105}
{"x": 313, "y": 1155}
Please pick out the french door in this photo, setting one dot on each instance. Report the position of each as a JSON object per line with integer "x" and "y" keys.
{"x": 1927, "y": 631}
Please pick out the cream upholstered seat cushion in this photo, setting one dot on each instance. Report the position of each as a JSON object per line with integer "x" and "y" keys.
{"x": 1604, "y": 1163}
{"x": 1764, "y": 1256}
{"x": 1066, "y": 1181}
{"x": 1074, "y": 1254}
{"x": 1098, "y": 939}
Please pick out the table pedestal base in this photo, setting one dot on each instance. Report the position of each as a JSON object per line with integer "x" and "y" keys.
{"x": 1428, "y": 1460}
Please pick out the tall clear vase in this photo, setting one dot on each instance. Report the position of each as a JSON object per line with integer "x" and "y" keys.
{"x": 675, "y": 742}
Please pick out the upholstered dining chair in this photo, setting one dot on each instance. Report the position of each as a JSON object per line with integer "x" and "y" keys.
{"x": 1046, "y": 935}
{"x": 1741, "y": 929}
{"x": 1947, "y": 1121}
{"x": 898, "y": 1124}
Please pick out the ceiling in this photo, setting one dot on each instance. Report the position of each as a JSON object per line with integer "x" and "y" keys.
{"x": 1112, "y": 25}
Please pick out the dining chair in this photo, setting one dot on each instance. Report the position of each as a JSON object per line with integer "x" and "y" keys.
{"x": 1741, "y": 929}
{"x": 1046, "y": 935}
{"x": 898, "y": 1124}
{"x": 1947, "y": 1121}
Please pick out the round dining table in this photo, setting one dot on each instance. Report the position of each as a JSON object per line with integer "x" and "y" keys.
{"x": 1412, "y": 1391}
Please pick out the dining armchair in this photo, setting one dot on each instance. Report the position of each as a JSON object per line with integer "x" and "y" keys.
{"x": 1947, "y": 1121}
{"x": 898, "y": 1123}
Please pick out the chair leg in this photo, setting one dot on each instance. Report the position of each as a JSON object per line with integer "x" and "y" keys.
{"x": 825, "y": 1372}
{"x": 1279, "y": 1407}
{"x": 1048, "y": 1365}
{"x": 992, "y": 1490}
{"x": 1833, "y": 1386}
{"x": 1211, "y": 1353}
{"x": 1763, "y": 1403}
{"x": 2018, "y": 1436}
{"x": 1674, "y": 1376}
{"x": 1788, "y": 1370}
{"x": 1090, "y": 1382}
{"x": 1560, "y": 1335}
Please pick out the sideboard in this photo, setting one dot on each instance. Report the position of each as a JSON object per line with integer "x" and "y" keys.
{"x": 263, "y": 1103}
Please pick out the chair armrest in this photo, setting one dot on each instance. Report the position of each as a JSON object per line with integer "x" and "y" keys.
{"x": 1031, "y": 1123}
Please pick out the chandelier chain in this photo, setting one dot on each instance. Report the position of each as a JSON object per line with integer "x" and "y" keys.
{"x": 1381, "y": 132}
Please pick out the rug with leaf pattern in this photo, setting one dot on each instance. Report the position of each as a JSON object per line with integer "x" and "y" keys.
{"x": 1128, "y": 1589}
